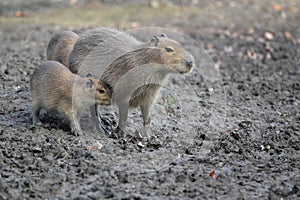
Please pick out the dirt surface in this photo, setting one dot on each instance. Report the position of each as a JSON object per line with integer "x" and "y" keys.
{"x": 228, "y": 130}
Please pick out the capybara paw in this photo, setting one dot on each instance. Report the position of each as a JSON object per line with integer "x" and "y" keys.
{"x": 77, "y": 132}
{"x": 118, "y": 133}
{"x": 36, "y": 122}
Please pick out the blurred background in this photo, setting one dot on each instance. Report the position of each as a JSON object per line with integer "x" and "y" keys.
{"x": 186, "y": 14}
{"x": 248, "y": 21}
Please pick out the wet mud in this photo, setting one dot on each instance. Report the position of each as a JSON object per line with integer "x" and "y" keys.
{"x": 234, "y": 136}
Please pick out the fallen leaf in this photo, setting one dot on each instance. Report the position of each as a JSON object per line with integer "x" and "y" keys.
{"x": 251, "y": 31}
{"x": 209, "y": 46}
{"x": 134, "y": 24}
{"x": 227, "y": 33}
{"x": 288, "y": 35}
{"x": 154, "y": 4}
{"x": 96, "y": 146}
{"x": 212, "y": 174}
{"x": 269, "y": 35}
{"x": 277, "y": 7}
{"x": 20, "y": 13}
{"x": 235, "y": 35}
{"x": 72, "y": 2}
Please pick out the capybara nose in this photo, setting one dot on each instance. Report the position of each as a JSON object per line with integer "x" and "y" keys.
{"x": 189, "y": 63}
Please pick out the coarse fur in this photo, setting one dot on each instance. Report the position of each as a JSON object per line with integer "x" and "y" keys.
{"x": 105, "y": 44}
{"x": 60, "y": 46}
{"x": 135, "y": 70}
{"x": 54, "y": 87}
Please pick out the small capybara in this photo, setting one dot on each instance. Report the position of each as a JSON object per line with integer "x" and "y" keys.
{"x": 54, "y": 87}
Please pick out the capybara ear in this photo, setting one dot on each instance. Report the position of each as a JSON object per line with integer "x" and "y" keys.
{"x": 154, "y": 40}
{"x": 163, "y": 35}
{"x": 90, "y": 84}
{"x": 89, "y": 75}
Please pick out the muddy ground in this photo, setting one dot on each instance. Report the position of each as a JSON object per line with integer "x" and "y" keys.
{"x": 240, "y": 140}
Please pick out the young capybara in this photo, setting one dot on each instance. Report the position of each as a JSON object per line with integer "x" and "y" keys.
{"x": 54, "y": 87}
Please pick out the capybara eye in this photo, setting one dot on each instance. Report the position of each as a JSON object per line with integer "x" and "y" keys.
{"x": 101, "y": 91}
{"x": 169, "y": 49}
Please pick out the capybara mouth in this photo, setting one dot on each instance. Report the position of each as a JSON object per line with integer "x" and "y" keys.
{"x": 108, "y": 102}
{"x": 184, "y": 71}
{"x": 104, "y": 102}
{"x": 188, "y": 67}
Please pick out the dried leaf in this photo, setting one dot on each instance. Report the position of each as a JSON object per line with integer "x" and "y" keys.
{"x": 288, "y": 35}
{"x": 209, "y": 46}
{"x": 277, "y": 7}
{"x": 269, "y": 35}
{"x": 227, "y": 33}
{"x": 154, "y": 4}
{"x": 212, "y": 174}
{"x": 251, "y": 31}
{"x": 72, "y": 2}
{"x": 96, "y": 146}
{"x": 134, "y": 24}
{"x": 235, "y": 35}
{"x": 20, "y": 13}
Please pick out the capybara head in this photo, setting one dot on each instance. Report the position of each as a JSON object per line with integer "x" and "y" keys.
{"x": 99, "y": 89}
{"x": 173, "y": 54}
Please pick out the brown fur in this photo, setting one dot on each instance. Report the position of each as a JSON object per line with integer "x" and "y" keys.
{"x": 60, "y": 47}
{"x": 136, "y": 77}
{"x": 134, "y": 69}
{"x": 143, "y": 61}
{"x": 54, "y": 87}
